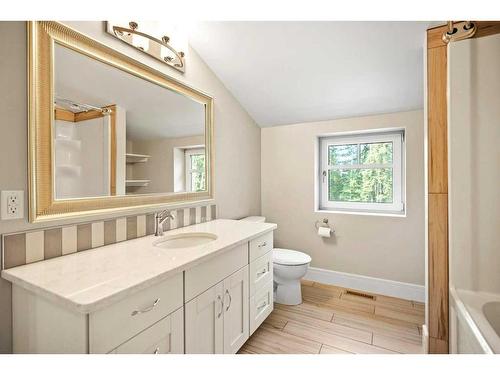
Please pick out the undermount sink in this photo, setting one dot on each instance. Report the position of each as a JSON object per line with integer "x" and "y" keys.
{"x": 182, "y": 240}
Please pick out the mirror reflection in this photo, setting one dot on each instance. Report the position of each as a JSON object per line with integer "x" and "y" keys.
{"x": 117, "y": 134}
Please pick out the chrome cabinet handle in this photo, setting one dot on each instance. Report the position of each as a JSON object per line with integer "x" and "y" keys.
{"x": 219, "y": 298}
{"x": 147, "y": 309}
{"x": 230, "y": 299}
{"x": 263, "y": 272}
{"x": 262, "y": 306}
{"x": 263, "y": 244}
{"x": 157, "y": 351}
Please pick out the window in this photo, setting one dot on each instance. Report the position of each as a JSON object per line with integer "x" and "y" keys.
{"x": 362, "y": 172}
{"x": 195, "y": 169}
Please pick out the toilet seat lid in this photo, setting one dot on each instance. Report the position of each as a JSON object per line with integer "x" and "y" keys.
{"x": 290, "y": 257}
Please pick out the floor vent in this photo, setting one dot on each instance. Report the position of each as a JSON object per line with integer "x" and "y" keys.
{"x": 360, "y": 294}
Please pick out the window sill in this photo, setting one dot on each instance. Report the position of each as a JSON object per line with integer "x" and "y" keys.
{"x": 362, "y": 213}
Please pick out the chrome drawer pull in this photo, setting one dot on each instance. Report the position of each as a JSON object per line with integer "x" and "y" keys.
{"x": 262, "y": 306}
{"x": 263, "y": 244}
{"x": 147, "y": 309}
{"x": 230, "y": 300}
{"x": 263, "y": 272}
{"x": 157, "y": 351}
{"x": 219, "y": 298}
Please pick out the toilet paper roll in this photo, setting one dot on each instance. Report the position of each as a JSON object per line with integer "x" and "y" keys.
{"x": 324, "y": 231}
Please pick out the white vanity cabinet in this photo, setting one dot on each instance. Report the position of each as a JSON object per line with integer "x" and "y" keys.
{"x": 211, "y": 304}
{"x": 222, "y": 318}
{"x": 261, "y": 280}
{"x": 44, "y": 327}
{"x": 115, "y": 324}
{"x": 217, "y": 320}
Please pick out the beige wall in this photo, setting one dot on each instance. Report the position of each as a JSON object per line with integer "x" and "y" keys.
{"x": 378, "y": 246}
{"x": 237, "y": 137}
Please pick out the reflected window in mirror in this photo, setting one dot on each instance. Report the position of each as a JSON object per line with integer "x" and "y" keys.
{"x": 195, "y": 169}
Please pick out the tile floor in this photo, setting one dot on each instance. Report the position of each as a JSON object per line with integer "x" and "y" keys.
{"x": 331, "y": 321}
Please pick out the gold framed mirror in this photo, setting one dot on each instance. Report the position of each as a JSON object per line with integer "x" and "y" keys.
{"x": 108, "y": 133}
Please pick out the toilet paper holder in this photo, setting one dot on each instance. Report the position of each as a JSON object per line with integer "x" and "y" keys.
{"x": 323, "y": 223}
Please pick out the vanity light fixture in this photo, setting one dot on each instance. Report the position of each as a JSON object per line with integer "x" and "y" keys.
{"x": 160, "y": 49}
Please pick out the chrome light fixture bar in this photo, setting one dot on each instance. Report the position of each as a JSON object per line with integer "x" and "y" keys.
{"x": 159, "y": 49}
{"x": 80, "y": 107}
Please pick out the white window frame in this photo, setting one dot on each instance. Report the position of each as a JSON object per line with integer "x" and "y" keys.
{"x": 398, "y": 202}
{"x": 188, "y": 152}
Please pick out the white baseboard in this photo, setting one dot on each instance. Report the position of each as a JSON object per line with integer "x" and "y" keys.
{"x": 385, "y": 287}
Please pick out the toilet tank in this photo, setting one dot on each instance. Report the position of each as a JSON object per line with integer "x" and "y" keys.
{"x": 256, "y": 219}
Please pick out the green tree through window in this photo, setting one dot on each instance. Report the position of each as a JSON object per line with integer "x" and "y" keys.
{"x": 362, "y": 171}
{"x": 197, "y": 172}
{"x": 370, "y": 182}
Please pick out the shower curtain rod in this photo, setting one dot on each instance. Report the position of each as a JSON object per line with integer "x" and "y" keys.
{"x": 464, "y": 30}
{"x": 85, "y": 107}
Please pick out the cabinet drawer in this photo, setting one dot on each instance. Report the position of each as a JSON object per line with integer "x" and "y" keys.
{"x": 207, "y": 274}
{"x": 164, "y": 337}
{"x": 261, "y": 246}
{"x": 261, "y": 305}
{"x": 117, "y": 323}
{"x": 261, "y": 271}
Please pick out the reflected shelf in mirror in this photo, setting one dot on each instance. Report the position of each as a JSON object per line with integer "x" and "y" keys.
{"x": 136, "y": 158}
{"x": 137, "y": 183}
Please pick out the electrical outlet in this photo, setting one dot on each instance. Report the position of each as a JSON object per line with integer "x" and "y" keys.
{"x": 12, "y": 205}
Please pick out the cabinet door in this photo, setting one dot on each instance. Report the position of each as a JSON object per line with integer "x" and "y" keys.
{"x": 236, "y": 311}
{"x": 204, "y": 322}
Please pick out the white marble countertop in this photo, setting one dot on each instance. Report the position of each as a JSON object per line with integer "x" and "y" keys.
{"x": 89, "y": 280}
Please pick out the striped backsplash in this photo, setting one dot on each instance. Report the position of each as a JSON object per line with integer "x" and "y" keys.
{"x": 33, "y": 246}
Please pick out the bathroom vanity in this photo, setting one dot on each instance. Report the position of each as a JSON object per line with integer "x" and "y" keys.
{"x": 204, "y": 288}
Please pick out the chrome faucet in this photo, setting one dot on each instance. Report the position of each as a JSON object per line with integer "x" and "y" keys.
{"x": 160, "y": 218}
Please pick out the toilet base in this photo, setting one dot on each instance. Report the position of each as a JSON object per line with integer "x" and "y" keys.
{"x": 288, "y": 294}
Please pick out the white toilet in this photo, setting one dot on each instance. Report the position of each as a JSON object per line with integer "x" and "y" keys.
{"x": 289, "y": 266}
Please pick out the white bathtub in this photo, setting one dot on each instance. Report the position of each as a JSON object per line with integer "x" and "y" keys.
{"x": 474, "y": 323}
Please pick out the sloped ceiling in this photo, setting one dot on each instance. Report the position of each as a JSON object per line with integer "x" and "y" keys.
{"x": 291, "y": 72}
